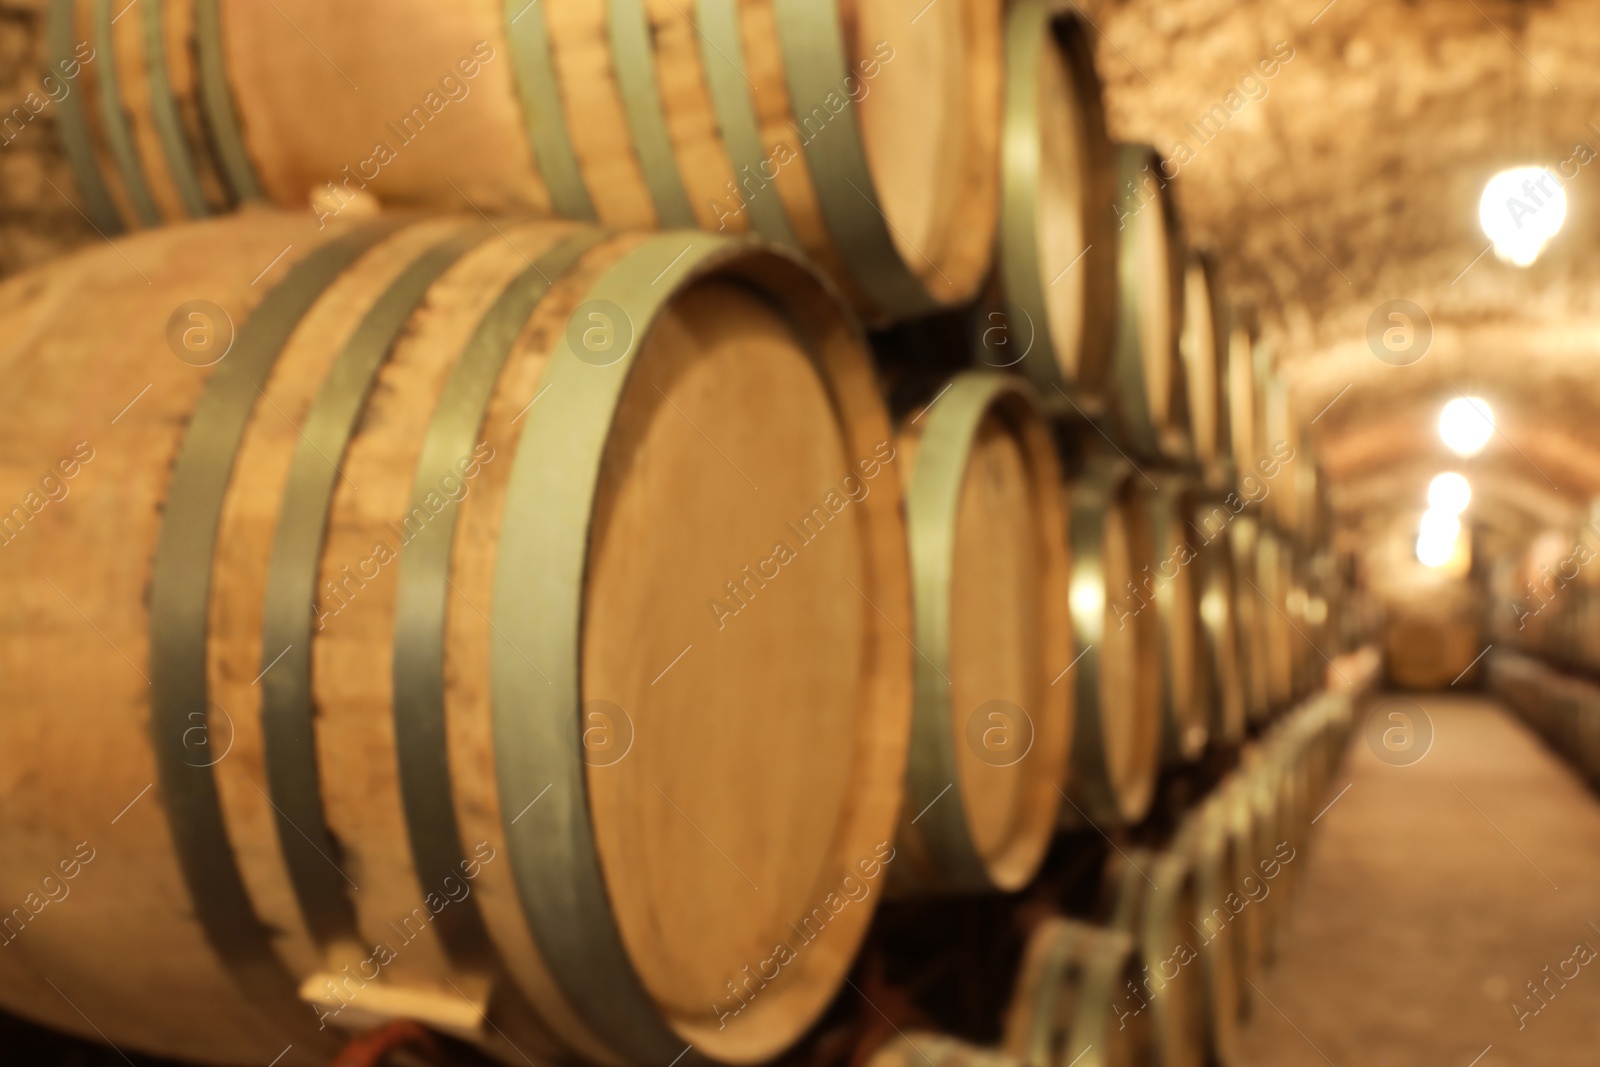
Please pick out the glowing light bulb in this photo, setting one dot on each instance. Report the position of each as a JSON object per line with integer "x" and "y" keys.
{"x": 1466, "y": 424}
{"x": 1521, "y": 209}
{"x": 1436, "y": 538}
{"x": 1450, "y": 493}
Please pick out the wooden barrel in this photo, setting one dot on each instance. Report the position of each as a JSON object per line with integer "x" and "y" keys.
{"x": 1170, "y": 952}
{"x": 1306, "y": 656}
{"x": 993, "y": 719}
{"x": 865, "y": 134}
{"x": 1277, "y": 425}
{"x": 1116, "y": 747}
{"x": 1290, "y": 784}
{"x": 1261, "y": 793}
{"x": 1273, "y": 576}
{"x": 1320, "y": 587}
{"x": 1204, "y": 346}
{"x": 1218, "y": 857}
{"x": 1169, "y": 584}
{"x": 1236, "y": 818}
{"x": 1149, "y": 399}
{"x": 1058, "y": 240}
{"x": 1220, "y": 633}
{"x": 1244, "y": 537}
{"x": 1244, "y": 395}
{"x": 598, "y": 790}
{"x": 1294, "y": 488}
{"x": 1077, "y": 999}
{"x": 1154, "y": 899}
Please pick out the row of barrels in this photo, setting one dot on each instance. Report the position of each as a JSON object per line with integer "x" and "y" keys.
{"x": 1545, "y": 601}
{"x": 1166, "y": 978}
{"x": 414, "y": 553}
{"x": 1562, "y": 707}
{"x": 481, "y": 585}
{"x": 925, "y": 157}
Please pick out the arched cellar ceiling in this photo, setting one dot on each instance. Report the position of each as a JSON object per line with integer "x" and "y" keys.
{"x": 1504, "y": 498}
{"x": 1346, "y": 174}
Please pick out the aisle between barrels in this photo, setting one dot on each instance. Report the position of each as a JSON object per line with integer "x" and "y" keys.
{"x": 1451, "y": 907}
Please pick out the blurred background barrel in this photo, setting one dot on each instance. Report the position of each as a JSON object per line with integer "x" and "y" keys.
{"x": 286, "y": 610}
{"x": 1168, "y": 585}
{"x": 993, "y": 724}
{"x": 1204, "y": 349}
{"x": 1077, "y": 989}
{"x": 1116, "y": 749}
{"x": 1150, "y": 402}
{"x": 1058, "y": 244}
{"x": 1223, "y": 643}
{"x": 1245, "y": 401}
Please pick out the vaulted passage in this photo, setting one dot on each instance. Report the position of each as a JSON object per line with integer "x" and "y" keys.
{"x": 1434, "y": 893}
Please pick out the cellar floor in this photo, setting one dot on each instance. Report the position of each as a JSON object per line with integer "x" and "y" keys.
{"x": 1431, "y": 895}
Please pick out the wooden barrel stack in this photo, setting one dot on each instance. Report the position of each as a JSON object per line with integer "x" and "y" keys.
{"x": 865, "y": 135}
{"x": 365, "y": 661}
{"x": 696, "y": 618}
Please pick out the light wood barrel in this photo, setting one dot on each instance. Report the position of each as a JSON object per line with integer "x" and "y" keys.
{"x": 1169, "y": 585}
{"x": 1239, "y": 817}
{"x": 993, "y": 722}
{"x": 1244, "y": 395}
{"x": 1221, "y": 635}
{"x": 1172, "y": 955}
{"x": 1244, "y": 537}
{"x": 1204, "y": 345}
{"x": 1303, "y": 643}
{"x": 865, "y": 132}
{"x": 1058, "y": 239}
{"x": 1154, "y": 899}
{"x": 1218, "y": 859}
{"x": 1262, "y": 791}
{"x": 1149, "y": 398}
{"x": 1273, "y": 577}
{"x": 1279, "y": 428}
{"x": 1294, "y": 813}
{"x": 1076, "y": 998}
{"x": 1116, "y": 748}
{"x": 594, "y": 795}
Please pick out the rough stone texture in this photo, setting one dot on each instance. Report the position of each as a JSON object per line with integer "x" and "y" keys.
{"x": 1355, "y": 180}
{"x": 37, "y": 222}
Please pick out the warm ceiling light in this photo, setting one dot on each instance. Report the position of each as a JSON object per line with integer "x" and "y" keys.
{"x": 1450, "y": 493}
{"x": 1521, "y": 209}
{"x": 1436, "y": 538}
{"x": 1466, "y": 424}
